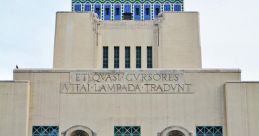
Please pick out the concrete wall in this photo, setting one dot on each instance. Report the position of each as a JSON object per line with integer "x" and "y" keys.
{"x": 179, "y": 41}
{"x": 80, "y": 38}
{"x": 242, "y": 108}
{"x": 130, "y": 34}
{"x": 153, "y": 112}
{"x": 14, "y": 108}
{"x": 75, "y": 41}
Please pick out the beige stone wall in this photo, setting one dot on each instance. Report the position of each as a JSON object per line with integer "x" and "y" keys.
{"x": 179, "y": 41}
{"x": 45, "y": 98}
{"x": 75, "y": 41}
{"x": 130, "y": 34}
{"x": 80, "y": 37}
{"x": 242, "y": 108}
{"x": 153, "y": 112}
{"x": 14, "y": 108}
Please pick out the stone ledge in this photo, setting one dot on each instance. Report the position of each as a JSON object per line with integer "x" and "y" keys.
{"x": 83, "y": 70}
{"x": 14, "y": 81}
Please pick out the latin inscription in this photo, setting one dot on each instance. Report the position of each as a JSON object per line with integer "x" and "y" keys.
{"x": 126, "y": 82}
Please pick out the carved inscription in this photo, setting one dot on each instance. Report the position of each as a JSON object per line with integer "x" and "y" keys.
{"x": 126, "y": 82}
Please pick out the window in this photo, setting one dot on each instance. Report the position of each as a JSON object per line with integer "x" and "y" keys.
{"x": 87, "y": 7}
{"x": 97, "y": 9}
{"x": 45, "y": 131}
{"x": 127, "y": 8}
{"x": 157, "y": 8}
{"x": 116, "y": 57}
{"x": 138, "y": 57}
{"x": 175, "y": 133}
{"x": 177, "y": 7}
{"x": 147, "y": 11}
{"x": 77, "y": 7}
{"x": 107, "y": 11}
{"x": 127, "y": 131}
{"x": 117, "y": 11}
{"x": 137, "y": 11}
{"x": 167, "y": 7}
{"x": 105, "y": 57}
{"x": 149, "y": 57}
{"x": 127, "y": 57}
{"x": 79, "y": 133}
{"x": 209, "y": 131}
{"x": 157, "y": 11}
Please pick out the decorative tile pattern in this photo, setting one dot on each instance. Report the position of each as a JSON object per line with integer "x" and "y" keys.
{"x": 209, "y": 131}
{"x": 45, "y": 131}
{"x": 139, "y": 9}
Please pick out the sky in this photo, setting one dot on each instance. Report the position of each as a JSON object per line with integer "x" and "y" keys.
{"x": 229, "y": 31}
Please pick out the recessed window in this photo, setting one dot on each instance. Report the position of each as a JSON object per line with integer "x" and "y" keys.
{"x": 149, "y": 57}
{"x": 157, "y": 10}
{"x": 107, "y": 11}
{"x": 117, "y": 11}
{"x": 127, "y": 131}
{"x": 175, "y": 133}
{"x": 137, "y": 11}
{"x": 177, "y": 7}
{"x": 87, "y": 7}
{"x": 209, "y": 131}
{"x": 127, "y": 57}
{"x": 45, "y": 131}
{"x": 167, "y": 7}
{"x": 116, "y": 57}
{"x": 77, "y": 7}
{"x": 147, "y": 11}
{"x": 105, "y": 57}
{"x": 97, "y": 10}
{"x": 138, "y": 57}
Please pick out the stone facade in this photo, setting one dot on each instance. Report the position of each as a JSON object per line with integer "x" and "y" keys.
{"x": 175, "y": 97}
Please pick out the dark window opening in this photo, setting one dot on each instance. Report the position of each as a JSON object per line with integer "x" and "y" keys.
{"x": 117, "y": 11}
{"x": 138, "y": 57}
{"x": 116, "y": 57}
{"x": 105, "y": 57}
{"x": 149, "y": 57}
{"x": 157, "y": 11}
{"x": 137, "y": 11}
{"x": 127, "y": 57}
{"x": 107, "y": 11}
{"x": 147, "y": 11}
{"x": 127, "y": 16}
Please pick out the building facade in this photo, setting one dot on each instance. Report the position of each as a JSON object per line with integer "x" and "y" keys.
{"x": 128, "y": 78}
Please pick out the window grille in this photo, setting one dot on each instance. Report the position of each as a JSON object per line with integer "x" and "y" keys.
{"x": 138, "y": 57}
{"x": 45, "y": 131}
{"x": 127, "y": 131}
{"x": 209, "y": 131}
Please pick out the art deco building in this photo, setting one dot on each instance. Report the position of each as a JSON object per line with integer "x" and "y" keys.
{"x": 128, "y": 68}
